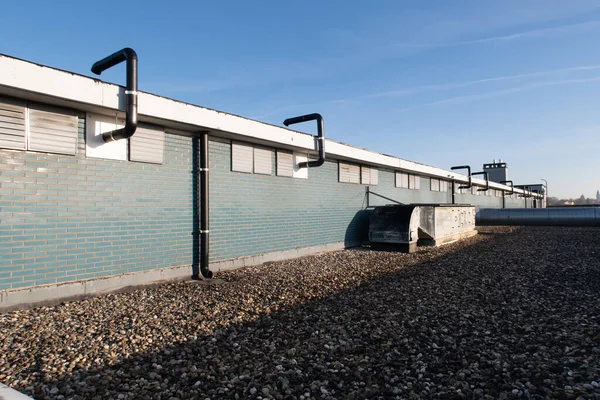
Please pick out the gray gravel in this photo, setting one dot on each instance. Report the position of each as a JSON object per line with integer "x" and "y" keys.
{"x": 507, "y": 314}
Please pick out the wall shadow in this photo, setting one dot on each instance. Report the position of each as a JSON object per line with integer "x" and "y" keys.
{"x": 357, "y": 232}
{"x": 391, "y": 332}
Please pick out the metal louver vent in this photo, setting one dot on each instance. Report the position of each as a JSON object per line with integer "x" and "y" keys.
{"x": 349, "y": 173}
{"x": 285, "y": 164}
{"x": 147, "y": 145}
{"x": 262, "y": 161}
{"x": 12, "y": 124}
{"x": 242, "y": 158}
{"x": 52, "y": 130}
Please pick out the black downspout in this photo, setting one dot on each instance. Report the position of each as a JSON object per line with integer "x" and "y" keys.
{"x": 320, "y": 137}
{"x": 512, "y": 190}
{"x": 204, "y": 216}
{"x": 131, "y": 91}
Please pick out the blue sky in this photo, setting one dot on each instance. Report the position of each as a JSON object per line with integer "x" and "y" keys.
{"x": 438, "y": 82}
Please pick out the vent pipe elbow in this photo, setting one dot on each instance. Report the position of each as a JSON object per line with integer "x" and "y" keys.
{"x": 131, "y": 90}
{"x": 468, "y": 168}
{"x": 487, "y": 181}
{"x": 512, "y": 186}
{"x": 320, "y": 137}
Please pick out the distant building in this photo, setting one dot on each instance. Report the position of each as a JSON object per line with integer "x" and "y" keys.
{"x": 536, "y": 188}
{"x": 497, "y": 171}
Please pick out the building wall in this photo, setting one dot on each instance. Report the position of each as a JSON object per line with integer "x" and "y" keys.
{"x": 254, "y": 214}
{"x": 387, "y": 187}
{"x": 69, "y": 218}
{"x": 481, "y": 201}
{"x": 66, "y": 218}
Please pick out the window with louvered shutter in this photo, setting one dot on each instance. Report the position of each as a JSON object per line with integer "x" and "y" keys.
{"x": 242, "y": 158}
{"x": 417, "y": 182}
{"x": 402, "y": 180}
{"x": 443, "y": 186}
{"x": 411, "y": 181}
{"x": 369, "y": 175}
{"x": 147, "y": 145}
{"x": 262, "y": 161}
{"x": 434, "y": 185}
{"x": 374, "y": 176}
{"x": 12, "y": 124}
{"x": 349, "y": 173}
{"x": 52, "y": 130}
{"x": 365, "y": 175}
{"x": 285, "y": 164}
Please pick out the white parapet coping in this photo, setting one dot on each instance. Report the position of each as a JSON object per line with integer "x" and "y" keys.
{"x": 37, "y": 82}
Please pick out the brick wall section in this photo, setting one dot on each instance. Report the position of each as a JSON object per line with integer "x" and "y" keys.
{"x": 387, "y": 187}
{"x": 66, "y": 218}
{"x": 253, "y": 214}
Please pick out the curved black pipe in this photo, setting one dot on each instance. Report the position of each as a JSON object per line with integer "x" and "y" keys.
{"x": 320, "y": 137}
{"x": 512, "y": 187}
{"x": 131, "y": 92}
{"x": 468, "y": 168}
{"x": 487, "y": 181}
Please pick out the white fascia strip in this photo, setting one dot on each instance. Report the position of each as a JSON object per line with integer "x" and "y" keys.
{"x": 26, "y": 76}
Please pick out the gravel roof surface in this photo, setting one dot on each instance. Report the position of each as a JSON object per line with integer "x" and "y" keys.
{"x": 507, "y": 314}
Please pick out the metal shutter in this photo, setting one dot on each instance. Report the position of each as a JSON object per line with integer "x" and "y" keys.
{"x": 242, "y": 158}
{"x": 349, "y": 173}
{"x": 52, "y": 130}
{"x": 285, "y": 164}
{"x": 404, "y": 179}
{"x": 147, "y": 145}
{"x": 262, "y": 161}
{"x": 365, "y": 175}
{"x": 411, "y": 181}
{"x": 374, "y": 176}
{"x": 12, "y": 124}
{"x": 443, "y": 186}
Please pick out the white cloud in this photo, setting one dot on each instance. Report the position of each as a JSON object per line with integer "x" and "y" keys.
{"x": 458, "y": 85}
{"x": 496, "y": 93}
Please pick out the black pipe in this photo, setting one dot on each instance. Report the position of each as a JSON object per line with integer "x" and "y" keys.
{"x": 468, "y": 168}
{"x": 453, "y": 190}
{"x": 512, "y": 190}
{"x": 487, "y": 181}
{"x": 204, "y": 216}
{"x": 512, "y": 186}
{"x": 320, "y": 137}
{"x": 131, "y": 91}
{"x": 383, "y": 197}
